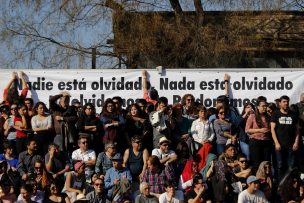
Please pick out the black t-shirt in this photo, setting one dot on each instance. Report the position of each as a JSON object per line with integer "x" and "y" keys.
{"x": 191, "y": 194}
{"x": 286, "y": 127}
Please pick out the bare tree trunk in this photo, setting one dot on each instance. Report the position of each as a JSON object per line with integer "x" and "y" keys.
{"x": 176, "y": 6}
{"x": 199, "y": 10}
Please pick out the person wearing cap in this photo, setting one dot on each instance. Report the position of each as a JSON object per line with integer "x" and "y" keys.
{"x": 252, "y": 193}
{"x": 63, "y": 114}
{"x": 75, "y": 181}
{"x": 117, "y": 177}
{"x": 86, "y": 155}
{"x": 165, "y": 155}
{"x": 104, "y": 159}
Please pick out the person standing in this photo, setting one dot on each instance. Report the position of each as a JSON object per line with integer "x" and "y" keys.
{"x": 285, "y": 135}
{"x": 65, "y": 118}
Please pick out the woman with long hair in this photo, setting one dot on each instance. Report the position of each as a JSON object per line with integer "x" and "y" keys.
{"x": 40, "y": 175}
{"x": 54, "y": 195}
{"x": 22, "y": 123}
{"x": 223, "y": 130}
{"x": 258, "y": 129}
{"x": 42, "y": 127}
{"x": 243, "y": 137}
{"x": 135, "y": 122}
{"x": 9, "y": 127}
{"x": 112, "y": 123}
{"x": 88, "y": 123}
{"x": 180, "y": 126}
{"x": 264, "y": 174}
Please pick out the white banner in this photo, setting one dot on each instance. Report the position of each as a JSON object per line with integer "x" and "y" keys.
{"x": 95, "y": 86}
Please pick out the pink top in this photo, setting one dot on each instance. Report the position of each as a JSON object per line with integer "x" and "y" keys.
{"x": 252, "y": 124}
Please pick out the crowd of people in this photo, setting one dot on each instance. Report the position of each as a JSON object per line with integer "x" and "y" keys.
{"x": 150, "y": 151}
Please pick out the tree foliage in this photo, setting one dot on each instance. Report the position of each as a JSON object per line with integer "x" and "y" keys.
{"x": 63, "y": 33}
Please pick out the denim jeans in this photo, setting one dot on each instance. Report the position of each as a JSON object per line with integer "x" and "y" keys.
{"x": 220, "y": 148}
{"x": 285, "y": 160}
{"x": 245, "y": 149}
{"x": 260, "y": 151}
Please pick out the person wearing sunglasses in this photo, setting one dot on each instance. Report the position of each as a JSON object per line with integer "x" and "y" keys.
{"x": 243, "y": 170}
{"x": 9, "y": 127}
{"x": 98, "y": 195}
{"x": 252, "y": 193}
{"x": 40, "y": 175}
{"x": 54, "y": 195}
{"x": 165, "y": 155}
{"x": 88, "y": 156}
{"x": 135, "y": 158}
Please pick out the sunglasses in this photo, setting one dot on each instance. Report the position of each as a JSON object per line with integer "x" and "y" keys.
{"x": 38, "y": 167}
{"x": 190, "y": 99}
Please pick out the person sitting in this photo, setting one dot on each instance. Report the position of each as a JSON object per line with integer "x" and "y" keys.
{"x": 54, "y": 196}
{"x": 98, "y": 195}
{"x": 135, "y": 159}
{"x": 264, "y": 174}
{"x": 243, "y": 171}
{"x": 186, "y": 178}
{"x": 118, "y": 180}
{"x": 156, "y": 174}
{"x": 252, "y": 193}
{"x": 27, "y": 159}
{"x": 9, "y": 157}
{"x": 165, "y": 155}
{"x": 5, "y": 195}
{"x": 104, "y": 159}
{"x": 145, "y": 196}
{"x": 26, "y": 192}
{"x": 86, "y": 155}
{"x": 75, "y": 181}
{"x": 229, "y": 156}
{"x": 40, "y": 175}
{"x": 199, "y": 193}
{"x": 171, "y": 195}
{"x": 57, "y": 163}
{"x": 36, "y": 195}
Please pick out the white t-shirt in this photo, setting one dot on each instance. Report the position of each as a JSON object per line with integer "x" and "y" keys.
{"x": 257, "y": 197}
{"x": 178, "y": 197}
{"x": 157, "y": 152}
